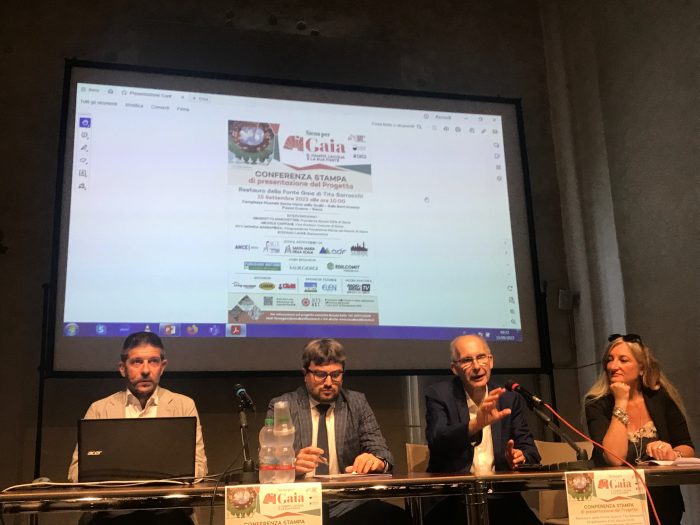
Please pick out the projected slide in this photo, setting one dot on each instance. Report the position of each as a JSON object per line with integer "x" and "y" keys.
{"x": 204, "y": 215}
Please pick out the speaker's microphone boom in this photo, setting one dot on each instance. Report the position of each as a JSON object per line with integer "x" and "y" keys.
{"x": 532, "y": 399}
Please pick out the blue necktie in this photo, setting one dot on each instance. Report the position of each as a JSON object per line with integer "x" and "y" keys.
{"x": 322, "y": 438}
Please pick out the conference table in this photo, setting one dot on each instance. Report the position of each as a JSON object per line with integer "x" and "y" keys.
{"x": 45, "y": 499}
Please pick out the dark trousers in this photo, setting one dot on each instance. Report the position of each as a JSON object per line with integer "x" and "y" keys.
{"x": 504, "y": 509}
{"x": 669, "y": 505}
{"x": 364, "y": 512}
{"x": 138, "y": 517}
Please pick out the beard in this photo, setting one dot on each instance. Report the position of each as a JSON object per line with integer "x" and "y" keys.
{"x": 325, "y": 395}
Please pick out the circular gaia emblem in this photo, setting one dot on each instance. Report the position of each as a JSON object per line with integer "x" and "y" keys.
{"x": 241, "y": 501}
{"x": 251, "y": 142}
{"x": 580, "y": 486}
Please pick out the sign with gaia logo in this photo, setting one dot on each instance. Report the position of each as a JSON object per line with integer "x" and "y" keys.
{"x": 274, "y": 504}
{"x": 610, "y": 497}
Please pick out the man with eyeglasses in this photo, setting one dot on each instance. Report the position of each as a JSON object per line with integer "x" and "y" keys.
{"x": 337, "y": 432}
{"x": 473, "y": 425}
{"x": 142, "y": 363}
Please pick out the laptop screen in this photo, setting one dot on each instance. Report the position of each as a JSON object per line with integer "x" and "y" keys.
{"x": 135, "y": 449}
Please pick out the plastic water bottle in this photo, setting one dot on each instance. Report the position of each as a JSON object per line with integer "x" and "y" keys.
{"x": 283, "y": 430}
{"x": 268, "y": 460}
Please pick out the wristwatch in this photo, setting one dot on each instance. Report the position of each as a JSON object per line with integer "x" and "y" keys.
{"x": 387, "y": 465}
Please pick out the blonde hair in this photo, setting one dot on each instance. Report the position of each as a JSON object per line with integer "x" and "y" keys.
{"x": 652, "y": 377}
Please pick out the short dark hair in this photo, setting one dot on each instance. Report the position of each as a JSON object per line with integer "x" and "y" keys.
{"x": 322, "y": 352}
{"x": 140, "y": 339}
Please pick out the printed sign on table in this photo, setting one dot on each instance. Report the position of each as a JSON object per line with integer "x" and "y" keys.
{"x": 610, "y": 497}
{"x": 274, "y": 504}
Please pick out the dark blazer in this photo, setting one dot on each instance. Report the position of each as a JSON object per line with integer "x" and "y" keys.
{"x": 447, "y": 420}
{"x": 356, "y": 428}
{"x": 669, "y": 421}
{"x": 671, "y": 427}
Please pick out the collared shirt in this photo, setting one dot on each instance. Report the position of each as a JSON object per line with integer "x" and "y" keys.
{"x": 483, "y": 452}
{"x": 133, "y": 406}
{"x": 329, "y": 454}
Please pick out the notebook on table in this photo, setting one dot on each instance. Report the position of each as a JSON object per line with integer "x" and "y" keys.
{"x": 136, "y": 449}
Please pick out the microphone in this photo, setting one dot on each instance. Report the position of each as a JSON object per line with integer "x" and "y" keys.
{"x": 537, "y": 406}
{"x": 248, "y": 475}
{"x": 243, "y": 396}
{"x": 532, "y": 399}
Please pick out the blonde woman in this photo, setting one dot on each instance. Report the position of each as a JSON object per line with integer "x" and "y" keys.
{"x": 635, "y": 411}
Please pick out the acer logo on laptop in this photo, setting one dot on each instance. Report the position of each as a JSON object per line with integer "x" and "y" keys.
{"x": 94, "y": 452}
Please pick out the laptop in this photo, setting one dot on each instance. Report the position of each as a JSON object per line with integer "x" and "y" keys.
{"x": 136, "y": 449}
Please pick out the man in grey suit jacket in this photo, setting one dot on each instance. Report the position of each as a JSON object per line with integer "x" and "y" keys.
{"x": 354, "y": 440}
{"x": 142, "y": 365}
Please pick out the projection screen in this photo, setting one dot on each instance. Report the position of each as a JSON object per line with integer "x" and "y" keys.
{"x": 238, "y": 219}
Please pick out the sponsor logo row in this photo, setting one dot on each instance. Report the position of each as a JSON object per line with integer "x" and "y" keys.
{"x": 309, "y": 286}
{"x": 267, "y": 266}
{"x": 325, "y": 303}
{"x": 277, "y": 248}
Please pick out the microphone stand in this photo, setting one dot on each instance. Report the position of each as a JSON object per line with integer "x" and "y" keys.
{"x": 582, "y": 462}
{"x": 249, "y": 474}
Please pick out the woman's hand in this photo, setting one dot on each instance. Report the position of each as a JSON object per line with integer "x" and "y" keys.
{"x": 661, "y": 450}
{"x": 621, "y": 393}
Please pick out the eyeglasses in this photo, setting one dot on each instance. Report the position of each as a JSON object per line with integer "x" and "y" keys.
{"x": 320, "y": 376}
{"x": 468, "y": 362}
{"x": 139, "y": 361}
{"x": 627, "y": 338}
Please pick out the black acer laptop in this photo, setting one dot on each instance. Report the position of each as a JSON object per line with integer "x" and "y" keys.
{"x": 136, "y": 449}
